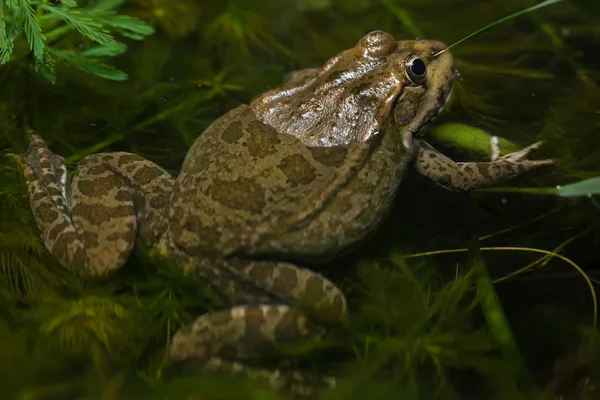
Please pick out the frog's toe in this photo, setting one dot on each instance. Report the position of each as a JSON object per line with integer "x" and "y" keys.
{"x": 495, "y": 148}
{"x": 523, "y": 153}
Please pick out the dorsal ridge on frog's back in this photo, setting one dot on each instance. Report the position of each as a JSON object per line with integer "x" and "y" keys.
{"x": 349, "y": 99}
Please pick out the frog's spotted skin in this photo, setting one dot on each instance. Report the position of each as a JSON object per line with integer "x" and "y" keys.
{"x": 303, "y": 174}
{"x": 246, "y": 332}
{"x": 91, "y": 224}
{"x": 473, "y": 175}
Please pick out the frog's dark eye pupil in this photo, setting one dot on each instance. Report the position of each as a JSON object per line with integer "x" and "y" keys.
{"x": 416, "y": 69}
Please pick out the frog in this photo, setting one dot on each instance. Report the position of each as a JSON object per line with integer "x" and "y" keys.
{"x": 300, "y": 176}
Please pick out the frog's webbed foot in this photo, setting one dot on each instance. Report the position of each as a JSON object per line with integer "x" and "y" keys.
{"x": 518, "y": 156}
{"x": 218, "y": 341}
{"x": 472, "y": 175}
{"x": 89, "y": 225}
{"x": 222, "y": 340}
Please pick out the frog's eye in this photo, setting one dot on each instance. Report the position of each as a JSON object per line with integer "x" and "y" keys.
{"x": 377, "y": 44}
{"x": 416, "y": 69}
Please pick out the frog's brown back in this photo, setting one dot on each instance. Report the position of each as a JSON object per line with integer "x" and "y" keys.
{"x": 242, "y": 180}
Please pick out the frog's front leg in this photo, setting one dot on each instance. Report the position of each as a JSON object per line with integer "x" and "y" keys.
{"x": 90, "y": 224}
{"x": 473, "y": 175}
{"x": 223, "y": 340}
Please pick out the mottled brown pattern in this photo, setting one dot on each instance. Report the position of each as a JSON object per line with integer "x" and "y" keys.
{"x": 194, "y": 224}
{"x": 90, "y": 239}
{"x": 262, "y": 140}
{"x": 472, "y": 175}
{"x": 61, "y": 245}
{"x": 233, "y": 133}
{"x": 297, "y": 169}
{"x": 48, "y": 179}
{"x": 482, "y": 169}
{"x": 260, "y": 273}
{"x": 286, "y": 280}
{"x": 314, "y": 288}
{"x": 99, "y": 186}
{"x": 147, "y": 174}
{"x": 329, "y": 156}
{"x": 56, "y": 230}
{"x": 288, "y": 326}
{"x": 125, "y": 236}
{"x": 36, "y": 197}
{"x": 54, "y": 191}
{"x": 97, "y": 214}
{"x": 226, "y": 193}
{"x": 254, "y": 320}
{"x": 126, "y": 160}
{"x": 46, "y": 213}
{"x": 123, "y": 195}
{"x": 97, "y": 170}
{"x": 159, "y": 202}
{"x": 220, "y": 318}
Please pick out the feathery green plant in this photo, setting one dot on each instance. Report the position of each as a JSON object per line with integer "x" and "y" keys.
{"x": 44, "y": 27}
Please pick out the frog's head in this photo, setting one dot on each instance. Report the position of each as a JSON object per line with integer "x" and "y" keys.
{"x": 359, "y": 92}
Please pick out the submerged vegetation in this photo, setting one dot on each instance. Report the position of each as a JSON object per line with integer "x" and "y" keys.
{"x": 487, "y": 295}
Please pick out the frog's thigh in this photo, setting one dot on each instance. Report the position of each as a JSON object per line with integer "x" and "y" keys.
{"x": 473, "y": 175}
{"x": 103, "y": 214}
{"x": 242, "y": 333}
{"x": 93, "y": 228}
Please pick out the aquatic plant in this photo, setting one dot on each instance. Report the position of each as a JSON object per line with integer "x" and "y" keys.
{"x": 44, "y": 28}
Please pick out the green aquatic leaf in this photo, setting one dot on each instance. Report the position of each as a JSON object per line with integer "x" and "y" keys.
{"x": 464, "y": 137}
{"x": 125, "y": 25}
{"x": 90, "y": 65}
{"x": 69, "y": 3}
{"x": 83, "y": 23}
{"x": 13, "y": 29}
{"x": 583, "y": 188}
{"x": 110, "y": 50}
{"x": 33, "y": 30}
{"x": 5, "y": 44}
{"x": 108, "y": 5}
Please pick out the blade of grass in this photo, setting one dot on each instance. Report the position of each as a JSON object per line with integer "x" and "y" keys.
{"x": 500, "y": 22}
{"x": 496, "y": 319}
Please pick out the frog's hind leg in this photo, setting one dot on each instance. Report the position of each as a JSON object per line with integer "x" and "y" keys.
{"x": 473, "y": 175}
{"x": 221, "y": 341}
{"x": 90, "y": 224}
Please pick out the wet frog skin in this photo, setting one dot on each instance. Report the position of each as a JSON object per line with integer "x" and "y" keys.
{"x": 303, "y": 173}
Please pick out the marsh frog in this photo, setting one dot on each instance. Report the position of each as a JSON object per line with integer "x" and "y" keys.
{"x": 299, "y": 176}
